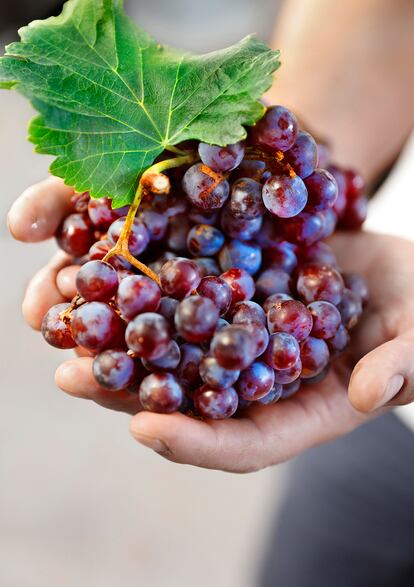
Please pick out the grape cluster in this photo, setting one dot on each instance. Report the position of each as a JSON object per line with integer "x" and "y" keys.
{"x": 250, "y": 302}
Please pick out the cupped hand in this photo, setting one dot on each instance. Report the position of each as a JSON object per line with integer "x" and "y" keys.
{"x": 378, "y": 370}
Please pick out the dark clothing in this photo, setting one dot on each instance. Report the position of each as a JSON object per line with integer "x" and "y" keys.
{"x": 347, "y": 519}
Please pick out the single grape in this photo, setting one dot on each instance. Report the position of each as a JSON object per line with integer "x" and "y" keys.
{"x": 280, "y": 256}
{"x": 169, "y": 205}
{"x": 167, "y": 362}
{"x": 290, "y": 316}
{"x": 148, "y": 335}
{"x": 251, "y": 168}
{"x": 290, "y": 389}
{"x": 282, "y": 351}
{"x": 196, "y": 319}
{"x": 355, "y": 184}
{"x": 274, "y": 299}
{"x": 241, "y": 284}
{"x": 240, "y": 228}
{"x": 188, "y": 369}
{"x": 241, "y": 255}
{"x": 179, "y": 277}
{"x": 221, "y": 159}
{"x": 273, "y": 396}
{"x": 233, "y": 348}
{"x": 340, "y": 202}
{"x": 319, "y": 377}
{"x": 137, "y": 294}
{"x": 204, "y": 240}
{"x": 314, "y": 354}
{"x": 358, "y": 285}
{"x": 138, "y": 238}
{"x": 303, "y": 154}
{"x": 350, "y": 308}
{"x": 80, "y": 202}
{"x": 178, "y": 227}
{"x": 102, "y": 214}
{"x": 216, "y": 404}
{"x": 285, "y": 376}
{"x": 75, "y": 235}
{"x": 269, "y": 234}
{"x": 329, "y": 222}
{"x": 259, "y": 336}
{"x": 272, "y": 281}
{"x": 218, "y": 291}
{"x": 205, "y": 188}
{"x": 284, "y": 196}
{"x": 319, "y": 253}
{"x": 167, "y": 308}
{"x": 210, "y": 217}
{"x": 215, "y": 376}
{"x": 256, "y": 381}
{"x": 95, "y": 325}
{"x": 56, "y": 330}
{"x": 161, "y": 260}
{"x": 324, "y": 154}
{"x": 114, "y": 369}
{"x": 304, "y": 229}
{"x": 276, "y": 130}
{"x": 322, "y": 190}
{"x": 326, "y": 319}
{"x": 354, "y": 214}
{"x": 207, "y": 266}
{"x": 248, "y": 311}
{"x": 338, "y": 343}
{"x": 320, "y": 282}
{"x": 155, "y": 223}
{"x": 246, "y": 199}
{"x": 97, "y": 281}
{"x": 161, "y": 392}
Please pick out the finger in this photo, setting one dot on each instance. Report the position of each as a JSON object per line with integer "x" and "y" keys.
{"x": 384, "y": 376}
{"x": 75, "y": 378}
{"x": 234, "y": 445}
{"x": 66, "y": 281}
{"x": 42, "y": 291}
{"x": 37, "y": 213}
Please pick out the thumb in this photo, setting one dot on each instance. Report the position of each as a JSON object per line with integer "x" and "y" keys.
{"x": 384, "y": 376}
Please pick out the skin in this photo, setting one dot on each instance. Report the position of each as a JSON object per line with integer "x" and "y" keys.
{"x": 354, "y": 391}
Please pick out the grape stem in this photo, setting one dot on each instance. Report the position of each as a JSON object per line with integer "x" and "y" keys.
{"x": 121, "y": 246}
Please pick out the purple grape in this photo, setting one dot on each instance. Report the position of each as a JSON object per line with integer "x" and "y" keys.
{"x": 204, "y": 188}
{"x": 282, "y": 351}
{"x": 98, "y": 251}
{"x": 233, "y": 348}
{"x": 358, "y": 285}
{"x": 240, "y": 228}
{"x": 280, "y": 256}
{"x": 303, "y": 154}
{"x": 102, "y": 214}
{"x": 274, "y": 299}
{"x": 161, "y": 392}
{"x": 338, "y": 343}
{"x": 251, "y": 168}
{"x": 319, "y": 253}
{"x": 75, "y": 235}
{"x": 350, "y": 308}
{"x": 273, "y": 396}
{"x": 290, "y": 316}
{"x": 137, "y": 294}
{"x": 188, "y": 368}
{"x": 148, "y": 335}
{"x": 204, "y": 217}
{"x": 241, "y": 284}
{"x": 95, "y": 326}
{"x": 207, "y": 266}
{"x": 259, "y": 336}
{"x": 314, "y": 354}
{"x": 322, "y": 190}
{"x": 304, "y": 229}
{"x": 167, "y": 308}
{"x": 97, "y": 281}
{"x": 320, "y": 282}
{"x": 248, "y": 311}
{"x": 138, "y": 239}
{"x": 242, "y": 255}
{"x": 246, "y": 199}
{"x": 284, "y": 196}
{"x": 217, "y": 290}
{"x": 155, "y": 223}
{"x": 215, "y": 376}
{"x": 256, "y": 381}
{"x": 221, "y": 159}
{"x": 272, "y": 281}
{"x": 326, "y": 319}
{"x": 276, "y": 130}
{"x": 114, "y": 369}
{"x": 216, "y": 404}
{"x": 196, "y": 319}
{"x": 55, "y": 330}
{"x": 285, "y": 376}
{"x": 329, "y": 222}
{"x": 167, "y": 362}
{"x": 204, "y": 240}
{"x": 178, "y": 228}
{"x": 179, "y": 277}
{"x": 290, "y": 389}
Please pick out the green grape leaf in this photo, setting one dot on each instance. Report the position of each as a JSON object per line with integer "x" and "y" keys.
{"x": 111, "y": 99}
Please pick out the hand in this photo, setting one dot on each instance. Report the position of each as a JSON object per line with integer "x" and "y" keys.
{"x": 381, "y": 350}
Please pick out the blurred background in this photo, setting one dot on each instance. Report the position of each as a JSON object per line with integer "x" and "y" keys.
{"x": 82, "y": 504}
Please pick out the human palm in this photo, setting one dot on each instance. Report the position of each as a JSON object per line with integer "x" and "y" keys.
{"x": 377, "y": 369}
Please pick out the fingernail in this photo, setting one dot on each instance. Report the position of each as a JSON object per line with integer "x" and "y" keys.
{"x": 394, "y": 386}
{"x": 153, "y": 443}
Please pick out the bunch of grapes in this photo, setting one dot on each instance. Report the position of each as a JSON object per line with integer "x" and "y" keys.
{"x": 248, "y": 301}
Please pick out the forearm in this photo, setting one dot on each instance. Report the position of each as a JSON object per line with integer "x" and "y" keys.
{"x": 347, "y": 71}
